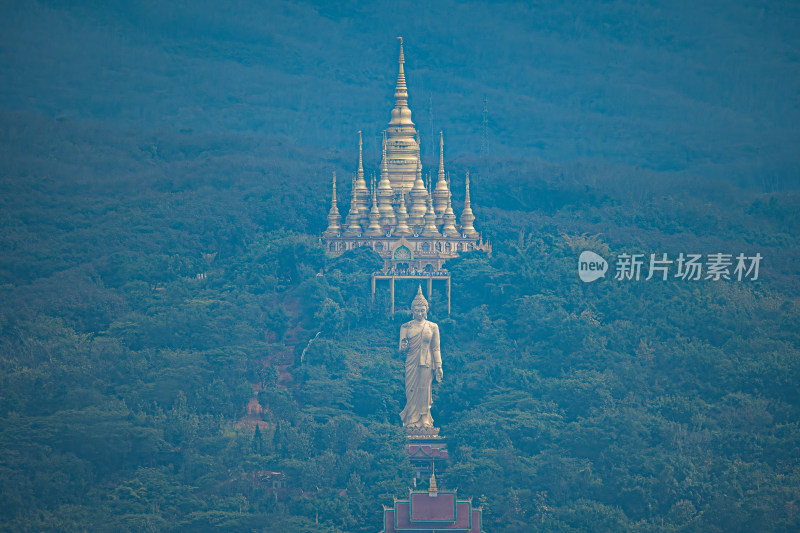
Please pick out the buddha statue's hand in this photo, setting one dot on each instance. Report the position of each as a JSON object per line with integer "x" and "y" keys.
{"x": 404, "y": 345}
{"x": 439, "y": 374}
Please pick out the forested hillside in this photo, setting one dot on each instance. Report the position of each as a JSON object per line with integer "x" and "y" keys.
{"x": 164, "y": 176}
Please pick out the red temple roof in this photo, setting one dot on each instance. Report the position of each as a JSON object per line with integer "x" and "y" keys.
{"x": 429, "y": 511}
{"x": 426, "y": 451}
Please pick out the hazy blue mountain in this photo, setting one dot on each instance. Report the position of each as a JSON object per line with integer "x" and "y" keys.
{"x": 164, "y": 177}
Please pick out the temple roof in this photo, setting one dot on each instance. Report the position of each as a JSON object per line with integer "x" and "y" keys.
{"x": 432, "y": 511}
{"x": 425, "y": 451}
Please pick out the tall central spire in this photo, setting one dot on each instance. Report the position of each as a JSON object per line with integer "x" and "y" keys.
{"x": 401, "y": 146}
{"x": 401, "y": 114}
{"x": 401, "y": 91}
{"x": 360, "y": 172}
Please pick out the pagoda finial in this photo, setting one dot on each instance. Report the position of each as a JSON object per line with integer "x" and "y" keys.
{"x": 360, "y": 156}
{"x": 333, "y": 193}
{"x": 418, "y": 197}
{"x": 361, "y": 190}
{"x": 353, "y": 228}
{"x": 353, "y": 196}
{"x": 466, "y": 194}
{"x": 401, "y": 91}
{"x": 384, "y": 164}
{"x": 430, "y": 220}
{"x": 385, "y": 192}
{"x": 449, "y": 218}
{"x": 402, "y": 229}
{"x": 441, "y": 192}
{"x": 401, "y": 114}
{"x": 374, "y": 229}
{"x": 441, "y": 153}
{"x": 334, "y": 225}
{"x": 432, "y": 488}
{"x": 467, "y": 218}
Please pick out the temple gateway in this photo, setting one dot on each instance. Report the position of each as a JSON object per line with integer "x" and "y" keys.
{"x": 409, "y": 223}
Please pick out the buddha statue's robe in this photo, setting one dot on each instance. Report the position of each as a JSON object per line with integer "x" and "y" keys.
{"x": 420, "y": 342}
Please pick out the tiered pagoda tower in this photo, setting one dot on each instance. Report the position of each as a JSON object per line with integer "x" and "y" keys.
{"x": 410, "y": 224}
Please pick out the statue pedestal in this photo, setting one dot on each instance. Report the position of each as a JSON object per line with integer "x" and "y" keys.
{"x": 426, "y": 448}
{"x": 423, "y": 433}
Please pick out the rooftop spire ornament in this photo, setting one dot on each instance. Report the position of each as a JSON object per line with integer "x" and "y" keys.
{"x": 432, "y": 488}
{"x": 430, "y": 221}
{"x": 334, "y": 226}
{"x": 401, "y": 91}
{"x": 418, "y": 195}
{"x": 402, "y": 229}
{"x": 385, "y": 192}
{"x": 449, "y": 218}
{"x": 361, "y": 190}
{"x": 374, "y": 229}
{"x": 353, "y": 228}
{"x": 441, "y": 192}
{"x": 467, "y": 218}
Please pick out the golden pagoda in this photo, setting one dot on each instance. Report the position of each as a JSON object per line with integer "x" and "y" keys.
{"x": 409, "y": 223}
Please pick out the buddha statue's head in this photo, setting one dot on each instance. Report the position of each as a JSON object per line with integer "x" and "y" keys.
{"x": 419, "y": 306}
